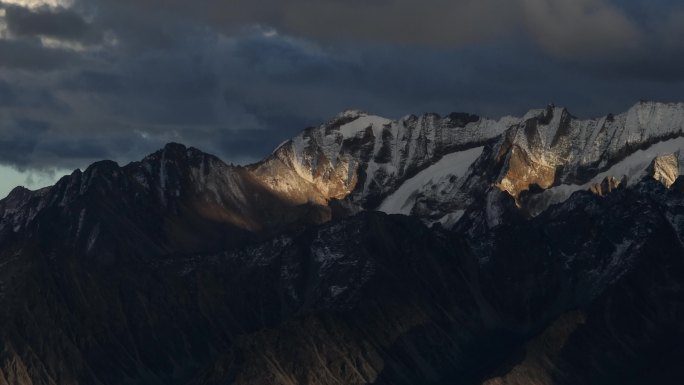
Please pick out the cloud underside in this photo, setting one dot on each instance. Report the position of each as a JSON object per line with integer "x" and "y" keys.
{"x": 85, "y": 80}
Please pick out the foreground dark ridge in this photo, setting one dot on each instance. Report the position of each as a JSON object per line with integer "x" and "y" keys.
{"x": 555, "y": 258}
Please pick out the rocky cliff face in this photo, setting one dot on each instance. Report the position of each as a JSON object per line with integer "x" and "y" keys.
{"x": 534, "y": 250}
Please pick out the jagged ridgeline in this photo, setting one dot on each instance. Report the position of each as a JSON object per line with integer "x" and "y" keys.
{"x": 545, "y": 249}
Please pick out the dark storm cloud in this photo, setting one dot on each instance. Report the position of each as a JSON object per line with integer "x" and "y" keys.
{"x": 568, "y": 28}
{"x": 32, "y": 127}
{"x": 19, "y": 140}
{"x": 7, "y": 95}
{"x": 562, "y": 27}
{"x": 23, "y": 99}
{"x": 94, "y": 81}
{"x": 17, "y": 150}
{"x": 631, "y": 37}
{"x": 80, "y": 148}
{"x": 31, "y": 55}
{"x": 59, "y": 23}
{"x": 33, "y": 144}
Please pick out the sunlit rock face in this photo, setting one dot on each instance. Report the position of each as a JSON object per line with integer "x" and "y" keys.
{"x": 665, "y": 168}
{"x": 522, "y": 172}
{"x": 606, "y": 186}
{"x": 321, "y": 163}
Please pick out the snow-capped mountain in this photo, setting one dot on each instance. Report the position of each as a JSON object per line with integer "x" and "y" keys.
{"x": 436, "y": 168}
{"x": 432, "y": 167}
{"x": 540, "y": 249}
{"x": 362, "y": 157}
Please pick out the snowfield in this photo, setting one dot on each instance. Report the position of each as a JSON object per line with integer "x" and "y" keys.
{"x": 454, "y": 164}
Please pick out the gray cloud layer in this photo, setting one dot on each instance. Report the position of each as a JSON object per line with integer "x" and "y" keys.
{"x": 594, "y": 28}
{"x": 236, "y": 78}
{"x": 60, "y": 23}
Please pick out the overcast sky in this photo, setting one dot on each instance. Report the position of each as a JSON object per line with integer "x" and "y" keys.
{"x": 83, "y": 80}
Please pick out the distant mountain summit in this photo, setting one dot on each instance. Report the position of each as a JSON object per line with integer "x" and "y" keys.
{"x": 538, "y": 249}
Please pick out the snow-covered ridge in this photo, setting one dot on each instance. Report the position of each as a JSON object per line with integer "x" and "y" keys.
{"x": 366, "y": 157}
{"x": 434, "y": 167}
{"x": 392, "y": 165}
{"x": 361, "y": 124}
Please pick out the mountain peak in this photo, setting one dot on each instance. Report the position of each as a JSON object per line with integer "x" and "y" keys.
{"x": 462, "y": 118}
{"x": 351, "y": 114}
{"x": 178, "y": 152}
{"x": 19, "y": 190}
{"x": 174, "y": 147}
{"x": 102, "y": 165}
{"x": 175, "y": 150}
{"x": 545, "y": 115}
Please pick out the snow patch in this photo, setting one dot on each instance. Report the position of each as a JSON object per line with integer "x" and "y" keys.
{"x": 449, "y": 220}
{"x": 337, "y": 290}
{"x": 324, "y": 254}
{"x": 93, "y": 237}
{"x": 454, "y": 164}
{"x": 280, "y": 146}
{"x": 81, "y": 217}
{"x": 354, "y": 128}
